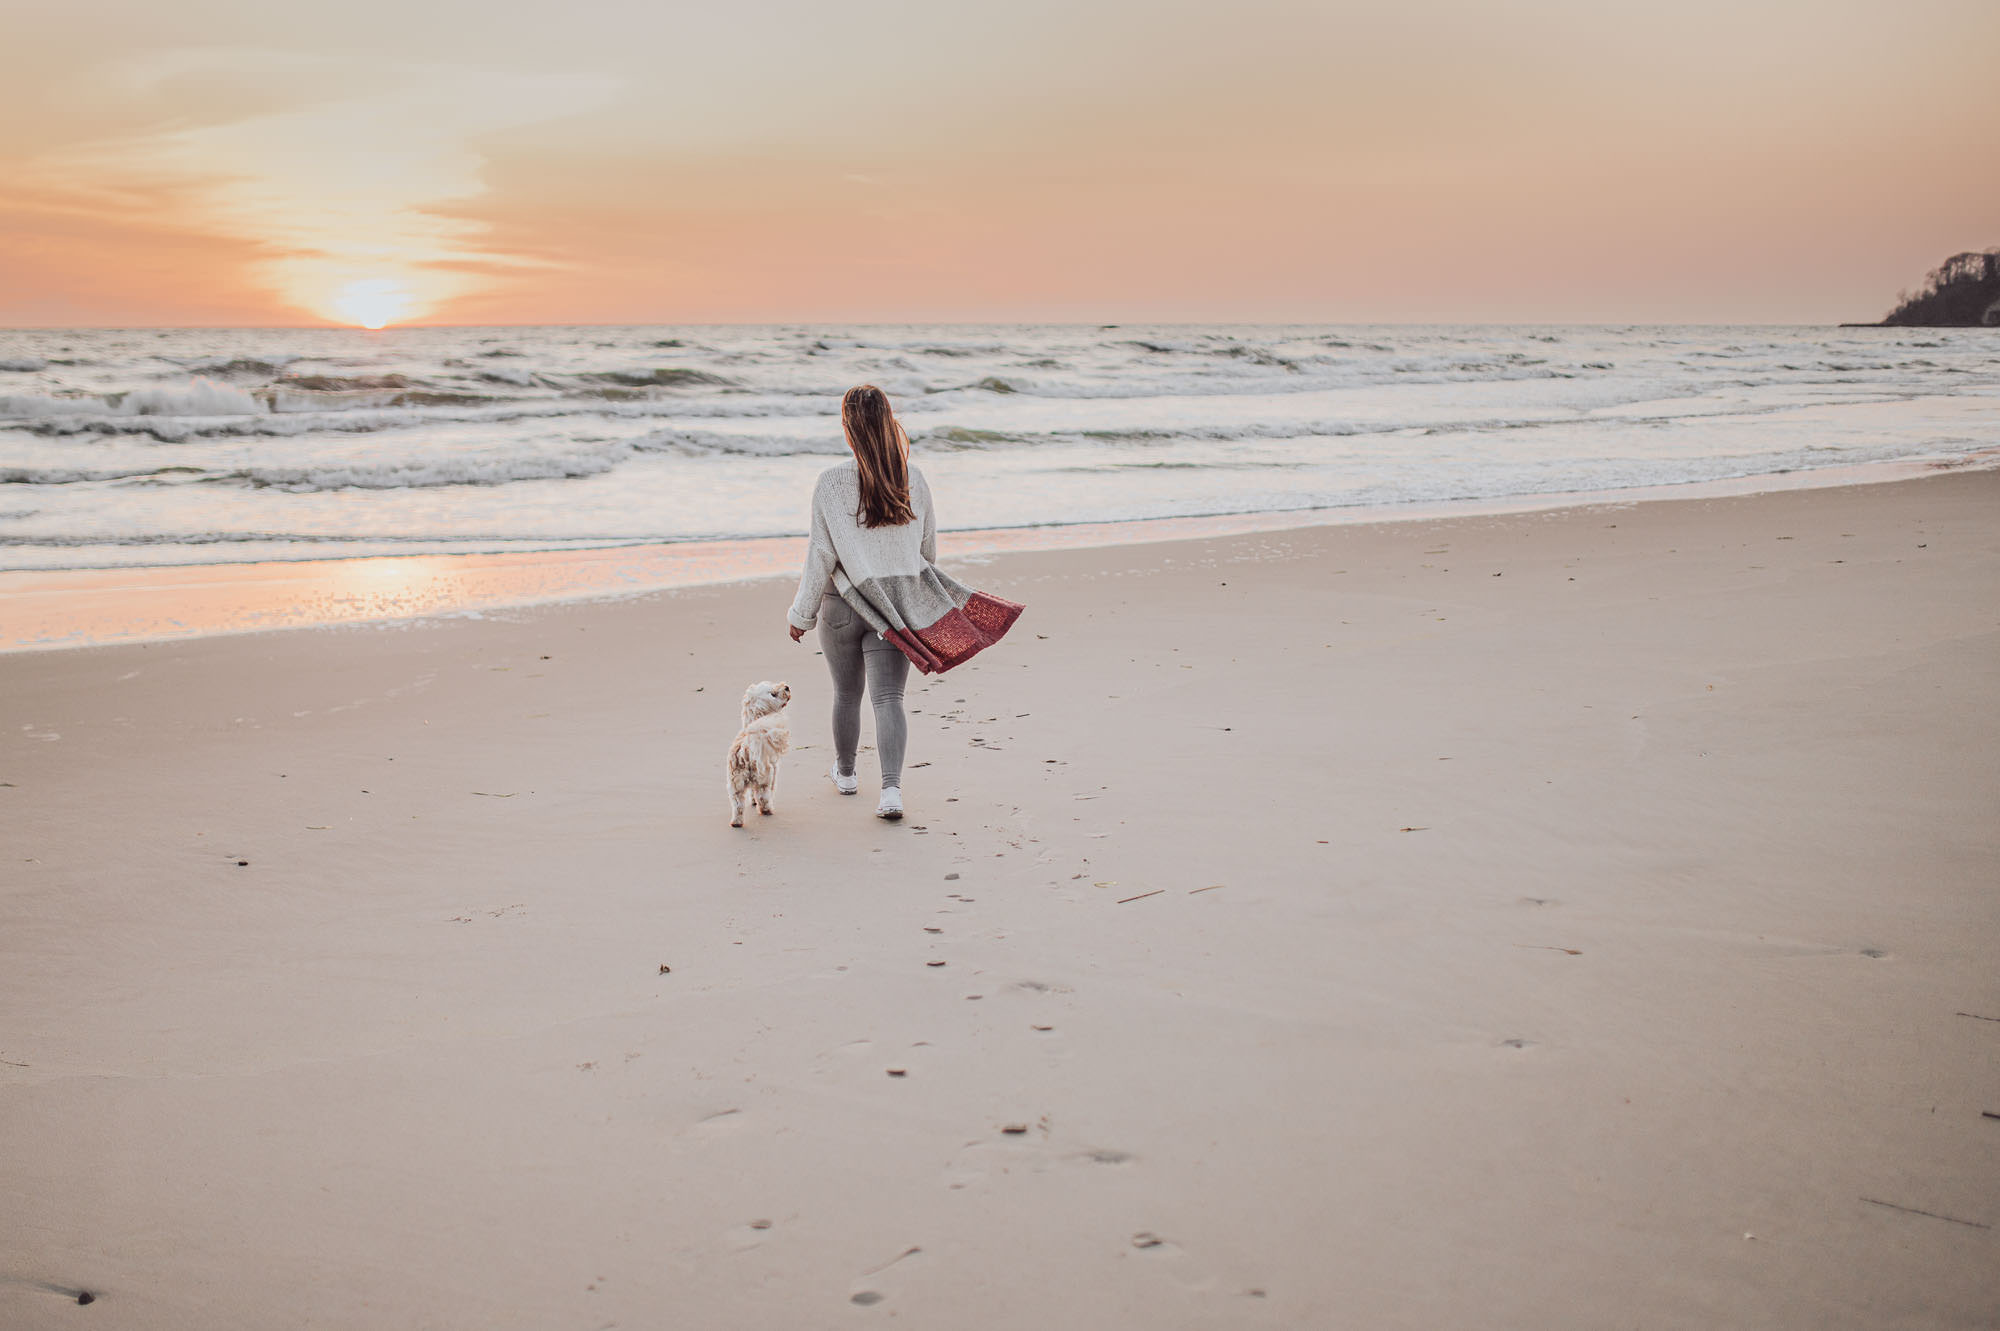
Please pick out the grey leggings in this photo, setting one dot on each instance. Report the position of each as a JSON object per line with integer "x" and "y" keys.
{"x": 856, "y": 653}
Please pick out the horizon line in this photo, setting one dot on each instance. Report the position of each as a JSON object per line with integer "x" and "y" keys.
{"x": 959, "y": 323}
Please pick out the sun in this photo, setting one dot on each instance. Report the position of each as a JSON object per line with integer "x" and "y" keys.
{"x": 373, "y": 302}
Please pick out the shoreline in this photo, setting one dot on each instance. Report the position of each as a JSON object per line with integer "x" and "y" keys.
{"x": 58, "y": 609}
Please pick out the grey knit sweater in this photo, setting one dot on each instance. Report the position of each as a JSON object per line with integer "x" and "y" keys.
{"x": 868, "y": 557}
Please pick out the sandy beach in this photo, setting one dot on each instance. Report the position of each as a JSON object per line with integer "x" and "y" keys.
{"x": 1581, "y": 918}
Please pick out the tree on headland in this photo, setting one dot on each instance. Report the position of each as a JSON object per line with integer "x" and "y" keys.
{"x": 1961, "y": 292}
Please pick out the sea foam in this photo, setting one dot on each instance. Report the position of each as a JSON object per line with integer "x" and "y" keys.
{"x": 178, "y": 445}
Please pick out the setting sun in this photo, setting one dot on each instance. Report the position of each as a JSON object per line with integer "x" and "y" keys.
{"x": 373, "y": 302}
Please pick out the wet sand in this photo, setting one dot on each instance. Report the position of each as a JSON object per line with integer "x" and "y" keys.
{"x": 89, "y": 607}
{"x": 1577, "y": 918}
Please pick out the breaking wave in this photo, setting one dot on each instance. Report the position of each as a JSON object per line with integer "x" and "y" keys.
{"x": 484, "y": 437}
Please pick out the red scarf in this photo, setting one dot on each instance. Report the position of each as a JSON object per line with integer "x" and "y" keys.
{"x": 959, "y": 636}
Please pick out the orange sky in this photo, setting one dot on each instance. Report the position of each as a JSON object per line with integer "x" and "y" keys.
{"x": 215, "y": 162}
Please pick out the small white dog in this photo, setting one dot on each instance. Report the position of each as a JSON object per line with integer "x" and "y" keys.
{"x": 753, "y": 757}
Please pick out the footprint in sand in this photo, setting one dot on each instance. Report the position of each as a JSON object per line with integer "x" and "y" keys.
{"x": 1152, "y": 1247}
{"x": 744, "y": 1237}
{"x": 973, "y": 1165}
{"x": 68, "y": 1293}
{"x": 880, "y": 1283}
{"x": 721, "y": 1122}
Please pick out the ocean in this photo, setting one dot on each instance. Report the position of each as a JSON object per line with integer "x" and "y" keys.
{"x": 183, "y": 446}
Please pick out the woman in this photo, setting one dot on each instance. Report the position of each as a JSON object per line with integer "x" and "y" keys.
{"x": 872, "y": 586}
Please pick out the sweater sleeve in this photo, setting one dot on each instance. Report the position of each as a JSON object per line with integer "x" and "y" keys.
{"x": 929, "y": 517}
{"x": 817, "y": 579}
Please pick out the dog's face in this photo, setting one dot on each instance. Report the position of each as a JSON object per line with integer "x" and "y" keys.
{"x": 764, "y": 698}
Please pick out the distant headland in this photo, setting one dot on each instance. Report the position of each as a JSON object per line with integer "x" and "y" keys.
{"x": 1961, "y": 292}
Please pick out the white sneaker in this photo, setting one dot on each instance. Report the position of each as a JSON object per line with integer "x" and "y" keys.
{"x": 846, "y": 785}
{"x": 891, "y": 806}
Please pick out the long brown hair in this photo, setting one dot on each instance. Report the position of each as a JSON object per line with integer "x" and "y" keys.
{"x": 881, "y": 455}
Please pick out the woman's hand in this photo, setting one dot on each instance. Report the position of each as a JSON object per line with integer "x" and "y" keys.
{"x": 797, "y": 632}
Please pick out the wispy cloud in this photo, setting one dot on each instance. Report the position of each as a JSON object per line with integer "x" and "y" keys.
{"x": 356, "y": 178}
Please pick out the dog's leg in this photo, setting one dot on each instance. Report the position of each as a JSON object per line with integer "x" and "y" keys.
{"x": 735, "y": 800}
{"x": 765, "y": 792}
